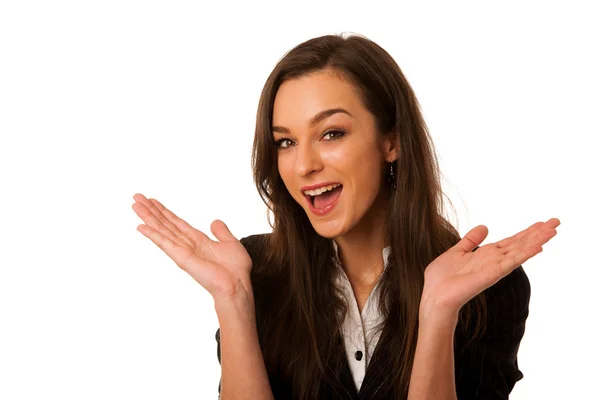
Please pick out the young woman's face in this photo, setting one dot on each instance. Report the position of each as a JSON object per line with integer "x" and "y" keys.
{"x": 326, "y": 137}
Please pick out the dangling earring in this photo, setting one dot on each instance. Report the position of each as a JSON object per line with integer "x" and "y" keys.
{"x": 392, "y": 178}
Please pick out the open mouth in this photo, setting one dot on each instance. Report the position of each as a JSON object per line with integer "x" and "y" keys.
{"x": 324, "y": 201}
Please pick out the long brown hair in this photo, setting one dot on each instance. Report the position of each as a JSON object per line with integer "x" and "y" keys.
{"x": 299, "y": 311}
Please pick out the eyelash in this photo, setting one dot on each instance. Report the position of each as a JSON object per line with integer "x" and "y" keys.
{"x": 337, "y": 133}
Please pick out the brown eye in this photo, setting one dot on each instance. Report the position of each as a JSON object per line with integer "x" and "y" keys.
{"x": 334, "y": 134}
{"x": 280, "y": 143}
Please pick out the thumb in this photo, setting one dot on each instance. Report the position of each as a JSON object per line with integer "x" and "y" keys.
{"x": 221, "y": 231}
{"x": 473, "y": 238}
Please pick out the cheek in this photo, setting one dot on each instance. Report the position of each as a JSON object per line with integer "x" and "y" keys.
{"x": 368, "y": 181}
{"x": 367, "y": 167}
{"x": 283, "y": 166}
{"x": 287, "y": 176}
{"x": 360, "y": 168}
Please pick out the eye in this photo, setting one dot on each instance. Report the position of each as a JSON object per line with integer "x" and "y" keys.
{"x": 280, "y": 142}
{"x": 334, "y": 134}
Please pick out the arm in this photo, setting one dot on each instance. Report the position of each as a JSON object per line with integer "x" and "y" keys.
{"x": 432, "y": 375}
{"x": 223, "y": 268}
{"x": 243, "y": 372}
{"x": 485, "y": 368}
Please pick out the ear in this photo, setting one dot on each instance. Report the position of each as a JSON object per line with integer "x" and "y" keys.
{"x": 391, "y": 146}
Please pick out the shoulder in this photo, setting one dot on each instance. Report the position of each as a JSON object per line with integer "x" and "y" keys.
{"x": 256, "y": 241}
{"x": 256, "y": 245}
{"x": 266, "y": 277}
{"x": 487, "y": 366}
{"x": 507, "y": 303}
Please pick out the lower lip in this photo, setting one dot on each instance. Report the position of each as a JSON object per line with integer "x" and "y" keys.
{"x": 326, "y": 210}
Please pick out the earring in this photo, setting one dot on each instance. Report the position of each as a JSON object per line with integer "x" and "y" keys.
{"x": 392, "y": 178}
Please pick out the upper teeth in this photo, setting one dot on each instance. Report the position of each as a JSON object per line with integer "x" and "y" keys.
{"x": 320, "y": 190}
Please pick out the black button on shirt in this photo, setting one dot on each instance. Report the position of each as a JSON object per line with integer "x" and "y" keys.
{"x": 358, "y": 355}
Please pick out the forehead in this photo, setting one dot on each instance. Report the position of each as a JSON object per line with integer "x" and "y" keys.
{"x": 300, "y": 99}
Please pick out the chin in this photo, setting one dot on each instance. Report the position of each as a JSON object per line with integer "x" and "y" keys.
{"x": 329, "y": 229}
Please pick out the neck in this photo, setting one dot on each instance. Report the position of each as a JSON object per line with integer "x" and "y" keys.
{"x": 361, "y": 249}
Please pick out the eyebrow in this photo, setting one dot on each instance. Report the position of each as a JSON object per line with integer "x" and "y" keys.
{"x": 314, "y": 120}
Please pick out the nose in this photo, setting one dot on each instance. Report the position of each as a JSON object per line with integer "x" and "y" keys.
{"x": 308, "y": 160}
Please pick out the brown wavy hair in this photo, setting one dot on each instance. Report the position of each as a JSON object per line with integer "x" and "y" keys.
{"x": 299, "y": 311}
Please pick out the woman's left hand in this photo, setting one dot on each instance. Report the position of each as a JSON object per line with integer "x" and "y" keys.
{"x": 459, "y": 274}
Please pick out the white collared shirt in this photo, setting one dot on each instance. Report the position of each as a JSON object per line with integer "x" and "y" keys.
{"x": 360, "y": 339}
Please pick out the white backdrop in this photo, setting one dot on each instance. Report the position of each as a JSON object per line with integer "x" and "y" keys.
{"x": 101, "y": 100}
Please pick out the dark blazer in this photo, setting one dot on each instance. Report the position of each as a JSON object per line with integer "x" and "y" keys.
{"x": 485, "y": 368}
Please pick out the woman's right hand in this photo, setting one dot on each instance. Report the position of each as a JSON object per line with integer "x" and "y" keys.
{"x": 222, "y": 267}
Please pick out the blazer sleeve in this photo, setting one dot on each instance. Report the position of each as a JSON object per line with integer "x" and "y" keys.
{"x": 218, "y": 339}
{"x": 487, "y": 368}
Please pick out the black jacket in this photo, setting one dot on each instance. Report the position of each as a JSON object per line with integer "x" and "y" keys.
{"x": 485, "y": 369}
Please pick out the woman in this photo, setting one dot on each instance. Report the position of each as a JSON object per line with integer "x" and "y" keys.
{"x": 363, "y": 289}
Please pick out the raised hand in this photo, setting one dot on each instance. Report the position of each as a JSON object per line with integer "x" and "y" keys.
{"x": 459, "y": 274}
{"x": 222, "y": 267}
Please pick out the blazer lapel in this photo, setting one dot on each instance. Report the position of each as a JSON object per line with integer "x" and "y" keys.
{"x": 348, "y": 381}
{"x": 375, "y": 375}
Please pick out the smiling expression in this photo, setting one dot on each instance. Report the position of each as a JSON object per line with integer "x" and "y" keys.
{"x": 325, "y": 136}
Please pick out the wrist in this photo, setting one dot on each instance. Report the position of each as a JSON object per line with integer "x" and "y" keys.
{"x": 432, "y": 312}
{"x": 234, "y": 293}
{"x": 240, "y": 304}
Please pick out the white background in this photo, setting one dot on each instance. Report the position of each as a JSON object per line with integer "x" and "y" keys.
{"x": 101, "y": 100}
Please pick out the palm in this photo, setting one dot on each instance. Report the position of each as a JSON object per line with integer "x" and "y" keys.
{"x": 460, "y": 274}
{"x": 219, "y": 266}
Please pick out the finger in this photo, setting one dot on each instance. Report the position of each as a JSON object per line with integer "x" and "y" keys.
{"x": 510, "y": 240}
{"x": 527, "y": 249}
{"x": 150, "y": 219}
{"x": 164, "y": 243}
{"x": 538, "y": 236}
{"x": 177, "y": 253}
{"x": 221, "y": 231}
{"x": 517, "y": 257}
{"x": 472, "y": 239}
{"x": 159, "y": 215}
{"x": 179, "y": 223}
{"x": 552, "y": 222}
